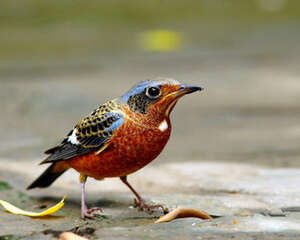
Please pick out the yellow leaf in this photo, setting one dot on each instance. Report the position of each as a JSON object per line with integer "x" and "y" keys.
{"x": 15, "y": 210}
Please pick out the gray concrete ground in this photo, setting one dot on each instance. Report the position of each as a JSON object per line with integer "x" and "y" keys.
{"x": 249, "y": 202}
{"x": 234, "y": 150}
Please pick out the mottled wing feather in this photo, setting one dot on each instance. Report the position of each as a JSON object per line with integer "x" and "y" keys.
{"x": 94, "y": 130}
{"x": 92, "y": 133}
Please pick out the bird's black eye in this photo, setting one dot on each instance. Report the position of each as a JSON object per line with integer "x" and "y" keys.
{"x": 153, "y": 92}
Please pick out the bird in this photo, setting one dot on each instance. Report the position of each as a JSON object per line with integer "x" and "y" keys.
{"x": 118, "y": 138}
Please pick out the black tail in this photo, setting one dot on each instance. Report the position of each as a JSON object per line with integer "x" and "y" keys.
{"x": 50, "y": 175}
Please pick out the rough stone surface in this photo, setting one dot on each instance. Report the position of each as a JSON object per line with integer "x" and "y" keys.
{"x": 247, "y": 201}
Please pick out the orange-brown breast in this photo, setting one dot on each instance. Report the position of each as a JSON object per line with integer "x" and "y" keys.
{"x": 132, "y": 147}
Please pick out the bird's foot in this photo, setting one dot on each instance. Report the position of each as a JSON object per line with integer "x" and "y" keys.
{"x": 143, "y": 206}
{"x": 89, "y": 212}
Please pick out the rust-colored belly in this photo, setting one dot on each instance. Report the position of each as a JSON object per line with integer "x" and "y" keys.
{"x": 131, "y": 148}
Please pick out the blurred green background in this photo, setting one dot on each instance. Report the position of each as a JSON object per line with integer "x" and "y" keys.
{"x": 60, "y": 59}
{"x": 75, "y": 31}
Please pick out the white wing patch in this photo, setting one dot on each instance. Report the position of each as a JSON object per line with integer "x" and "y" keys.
{"x": 72, "y": 138}
{"x": 163, "y": 126}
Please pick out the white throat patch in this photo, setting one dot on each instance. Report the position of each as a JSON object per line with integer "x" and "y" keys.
{"x": 163, "y": 126}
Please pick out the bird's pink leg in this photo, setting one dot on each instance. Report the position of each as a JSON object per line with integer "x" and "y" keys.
{"x": 139, "y": 202}
{"x": 85, "y": 212}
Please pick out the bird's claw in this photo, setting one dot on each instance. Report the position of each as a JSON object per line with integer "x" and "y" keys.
{"x": 94, "y": 209}
{"x": 89, "y": 212}
{"x": 143, "y": 206}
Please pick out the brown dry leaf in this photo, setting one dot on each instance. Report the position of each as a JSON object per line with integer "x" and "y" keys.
{"x": 183, "y": 213}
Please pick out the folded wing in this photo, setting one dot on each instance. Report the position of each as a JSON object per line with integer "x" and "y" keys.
{"x": 90, "y": 135}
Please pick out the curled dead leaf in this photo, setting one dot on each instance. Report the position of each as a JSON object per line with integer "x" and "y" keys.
{"x": 183, "y": 213}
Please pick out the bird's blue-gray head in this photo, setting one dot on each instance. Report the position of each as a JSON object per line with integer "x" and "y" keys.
{"x": 158, "y": 93}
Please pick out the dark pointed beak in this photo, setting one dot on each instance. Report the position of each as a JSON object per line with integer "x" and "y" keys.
{"x": 187, "y": 89}
{"x": 183, "y": 90}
